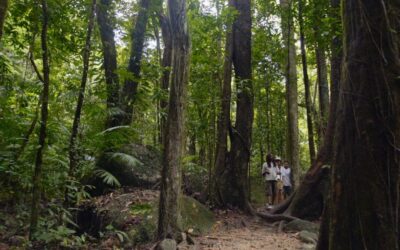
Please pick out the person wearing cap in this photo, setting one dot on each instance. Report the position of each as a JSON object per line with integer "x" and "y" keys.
{"x": 269, "y": 173}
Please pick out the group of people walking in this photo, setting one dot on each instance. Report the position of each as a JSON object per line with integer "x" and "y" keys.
{"x": 278, "y": 178}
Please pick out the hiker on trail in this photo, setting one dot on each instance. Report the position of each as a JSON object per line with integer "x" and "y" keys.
{"x": 286, "y": 179}
{"x": 279, "y": 182}
{"x": 269, "y": 172}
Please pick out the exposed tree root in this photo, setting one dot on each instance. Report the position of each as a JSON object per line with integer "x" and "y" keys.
{"x": 275, "y": 217}
{"x": 282, "y": 207}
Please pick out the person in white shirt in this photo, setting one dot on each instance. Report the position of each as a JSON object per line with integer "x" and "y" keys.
{"x": 286, "y": 179}
{"x": 269, "y": 172}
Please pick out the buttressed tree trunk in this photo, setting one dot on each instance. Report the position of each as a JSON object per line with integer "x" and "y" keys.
{"x": 106, "y": 26}
{"x": 291, "y": 88}
{"x": 235, "y": 188}
{"x": 3, "y": 12}
{"x": 37, "y": 174}
{"x": 365, "y": 181}
{"x": 169, "y": 207}
{"x": 129, "y": 90}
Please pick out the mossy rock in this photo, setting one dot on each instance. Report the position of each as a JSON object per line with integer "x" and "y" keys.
{"x": 133, "y": 165}
{"x": 196, "y": 216}
{"x": 136, "y": 214}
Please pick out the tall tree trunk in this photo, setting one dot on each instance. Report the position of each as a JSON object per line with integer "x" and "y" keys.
{"x": 268, "y": 120}
{"x": 336, "y": 62}
{"x": 310, "y": 128}
{"x": 169, "y": 207}
{"x": 211, "y": 139}
{"x": 166, "y": 71}
{"x": 73, "y": 149}
{"x": 236, "y": 188}
{"x": 3, "y": 13}
{"x": 107, "y": 35}
{"x": 323, "y": 89}
{"x": 291, "y": 88}
{"x": 129, "y": 91}
{"x": 368, "y": 131}
{"x": 37, "y": 174}
{"x": 157, "y": 85}
{"x": 322, "y": 73}
{"x": 223, "y": 122}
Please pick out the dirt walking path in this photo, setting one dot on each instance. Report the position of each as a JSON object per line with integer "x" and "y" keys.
{"x": 235, "y": 231}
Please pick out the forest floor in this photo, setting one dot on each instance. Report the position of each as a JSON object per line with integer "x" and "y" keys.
{"x": 234, "y": 230}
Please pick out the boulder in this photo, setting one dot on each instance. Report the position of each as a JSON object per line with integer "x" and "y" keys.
{"x": 135, "y": 212}
{"x": 133, "y": 165}
{"x": 196, "y": 218}
{"x": 166, "y": 244}
{"x": 308, "y": 237}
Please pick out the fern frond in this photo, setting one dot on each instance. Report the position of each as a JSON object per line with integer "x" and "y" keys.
{"x": 107, "y": 177}
{"x": 112, "y": 129}
{"x": 127, "y": 159}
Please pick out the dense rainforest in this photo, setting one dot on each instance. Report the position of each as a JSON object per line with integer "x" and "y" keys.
{"x": 199, "y": 124}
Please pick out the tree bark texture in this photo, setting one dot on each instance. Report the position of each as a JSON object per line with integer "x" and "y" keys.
{"x": 3, "y": 13}
{"x": 37, "y": 173}
{"x": 73, "y": 149}
{"x": 291, "y": 88}
{"x": 336, "y": 62}
{"x": 223, "y": 122}
{"x": 129, "y": 90}
{"x": 166, "y": 69}
{"x": 364, "y": 204}
{"x": 310, "y": 128}
{"x": 106, "y": 27}
{"x": 323, "y": 88}
{"x": 236, "y": 188}
{"x": 173, "y": 151}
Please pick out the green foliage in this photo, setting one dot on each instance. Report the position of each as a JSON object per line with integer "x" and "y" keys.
{"x": 141, "y": 209}
{"x": 20, "y": 91}
{"x": 121, "y": 235}
{"x": 107, "y": 177}
{"x": 126, "y": 159}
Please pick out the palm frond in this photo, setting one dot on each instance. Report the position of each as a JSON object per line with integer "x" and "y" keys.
{"x": 107, "y": 177}
{"x": 127, "y": 159}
